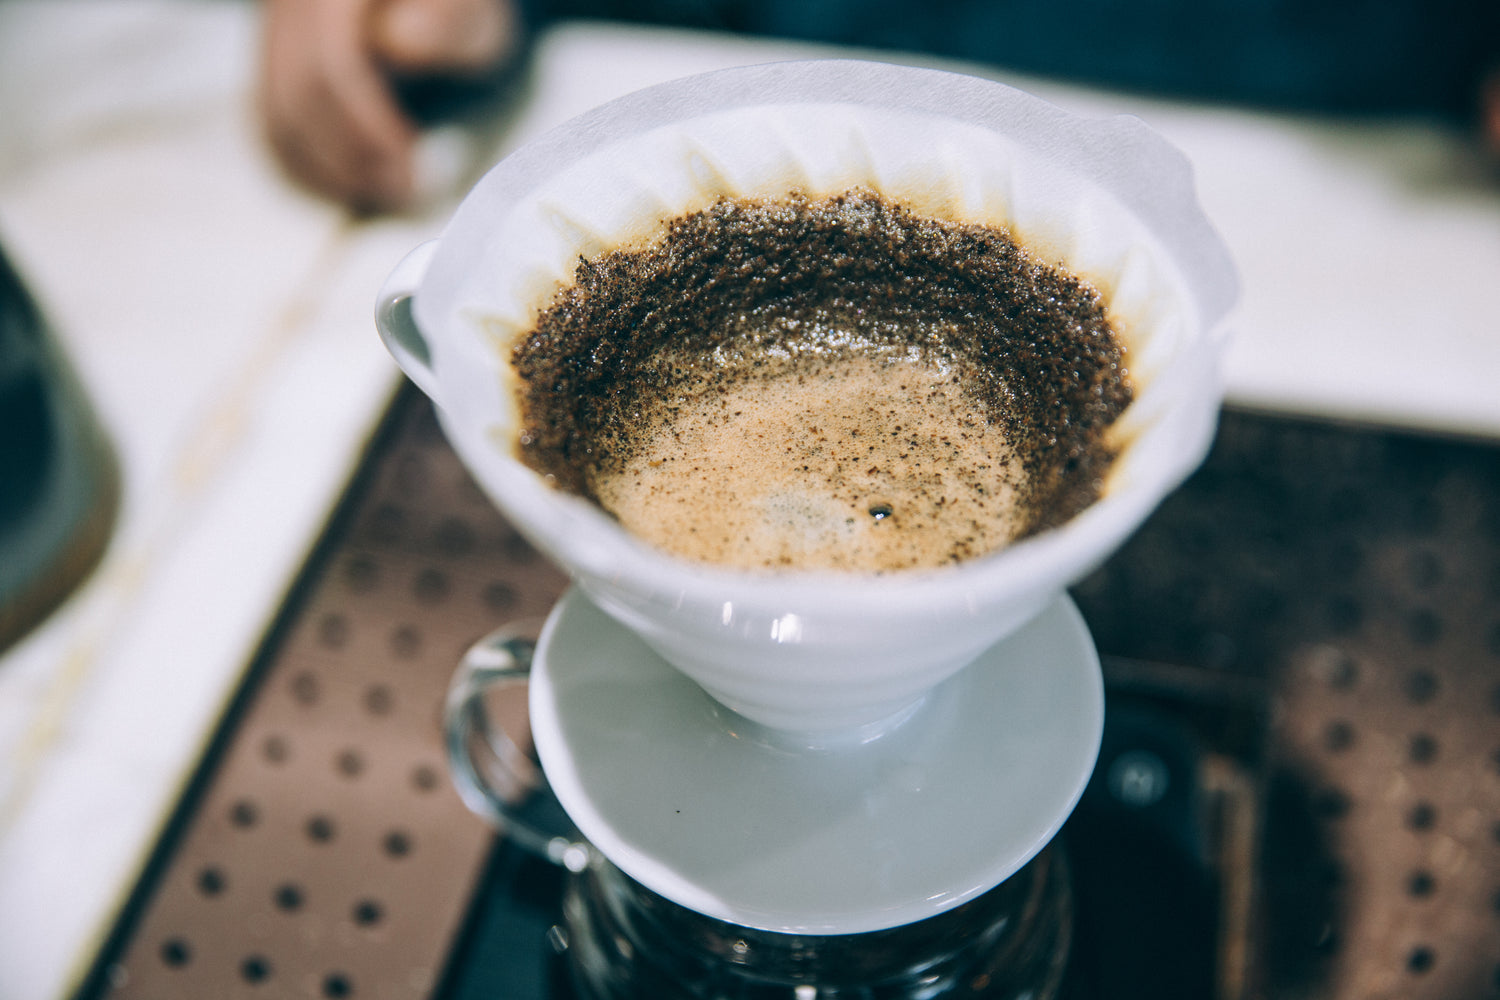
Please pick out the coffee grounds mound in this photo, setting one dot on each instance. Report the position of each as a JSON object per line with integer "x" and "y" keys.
{"x": 751, "y": 289}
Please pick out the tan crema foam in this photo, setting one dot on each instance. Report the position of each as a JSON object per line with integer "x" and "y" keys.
{"x": 862, "y": 462}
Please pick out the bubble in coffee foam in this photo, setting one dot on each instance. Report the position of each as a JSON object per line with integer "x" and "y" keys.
{"x": 835, "y": 384}
{"x": 865, "y": 463}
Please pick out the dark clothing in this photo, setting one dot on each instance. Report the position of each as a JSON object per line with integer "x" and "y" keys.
{"x": 1397, "y": 56}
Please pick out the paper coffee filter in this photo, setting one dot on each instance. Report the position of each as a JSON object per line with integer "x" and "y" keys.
{"x": 1108, "y": 200}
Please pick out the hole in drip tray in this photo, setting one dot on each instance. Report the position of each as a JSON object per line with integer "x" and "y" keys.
{"x": 1423, "y": 749}
{"x": 255, "y": 969}
{"x": 379, "y": 700}
{"x": 176, "y": 952}
{"x": 243, "y": 814}
{"x": 430, "y": 586}
{"x": 1338, "y": 737}
{"x": 211, "y": 881}
{"x": 368, "y": 913}
{"x": 333, "y": 631}
{"x": 336, "y": 985}
{"x": 425, "y": 778}
{"x": 1422, "y": 817}
{"x": 305, "y": 688}
{"x": 1338, "y": 669}
{"x": 276, "y": 749}
{"x": 1421, "y": 959}
{"x": 350, "y": 763}
{"x": 1420, "y": 885}
{"x": 406, "y": 642}
{"x": 288, "y": 897}
{"x": 500, "y": 597}
{"x": 397, "y": 844}
{"x": 320, "y": 829}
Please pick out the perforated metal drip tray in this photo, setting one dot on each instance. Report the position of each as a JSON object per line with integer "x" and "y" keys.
{"x": 1299, "y": 794}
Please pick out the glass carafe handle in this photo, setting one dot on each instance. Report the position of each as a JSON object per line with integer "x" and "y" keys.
{"x": 490, "y": 752}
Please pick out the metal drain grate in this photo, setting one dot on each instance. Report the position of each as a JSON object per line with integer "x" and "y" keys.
{"x": 1358, "y": 574}
{"x": 324, "y": 853}
{"x": 1351, "y": 576}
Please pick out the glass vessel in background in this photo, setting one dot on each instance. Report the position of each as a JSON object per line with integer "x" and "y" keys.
{"x": 59, "y": 486}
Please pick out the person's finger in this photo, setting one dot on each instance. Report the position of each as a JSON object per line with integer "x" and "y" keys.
{"x": 329, "y": 111}
{"x": 444, "y": 37}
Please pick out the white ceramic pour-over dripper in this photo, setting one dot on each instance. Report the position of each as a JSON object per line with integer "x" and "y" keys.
{"x": 861, "y": 779}
{"x": 810, "y": 653}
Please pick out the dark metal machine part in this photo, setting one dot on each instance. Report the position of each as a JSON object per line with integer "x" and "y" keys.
{"x": 1298, "y": 793}
{"x": 59, "y": 484}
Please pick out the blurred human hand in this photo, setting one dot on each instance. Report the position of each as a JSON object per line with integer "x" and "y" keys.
{"x": 328, "y": 85}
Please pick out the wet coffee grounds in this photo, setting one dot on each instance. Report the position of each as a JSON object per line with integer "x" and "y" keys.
{"x": 655, "y": 353}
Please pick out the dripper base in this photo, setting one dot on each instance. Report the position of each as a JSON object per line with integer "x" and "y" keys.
{"x": 823, "y": 839}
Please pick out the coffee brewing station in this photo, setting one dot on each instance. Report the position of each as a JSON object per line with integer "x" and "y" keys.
{"x": 1127, "y": 756}
{"x": 796, "y": 784}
